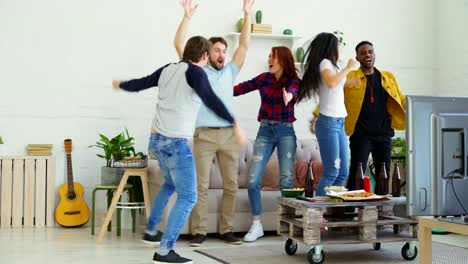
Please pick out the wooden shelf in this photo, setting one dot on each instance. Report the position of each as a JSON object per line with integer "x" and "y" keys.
{"x": 266, "y": 36}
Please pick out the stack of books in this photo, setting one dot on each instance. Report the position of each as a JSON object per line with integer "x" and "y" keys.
{"x": 39, "y": 149}
{"x": 261, "y": 28}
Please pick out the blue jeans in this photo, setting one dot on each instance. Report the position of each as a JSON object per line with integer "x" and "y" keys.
{"x": 269, "y": 136}
{"x": 178, "y": 170}
{"x": 334, "y": 151}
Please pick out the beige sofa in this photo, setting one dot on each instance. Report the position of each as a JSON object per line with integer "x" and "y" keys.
{"x": 307, "y": 150}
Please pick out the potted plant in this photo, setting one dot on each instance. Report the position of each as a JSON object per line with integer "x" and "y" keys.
{"x": 115, "y": 149}
{"x": 399, "y": 148}
{"x": 340, "y": 37}
{"x": 120, "y": 149}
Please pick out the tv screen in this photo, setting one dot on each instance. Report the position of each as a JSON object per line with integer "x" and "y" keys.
{"x": 437, "y": 155}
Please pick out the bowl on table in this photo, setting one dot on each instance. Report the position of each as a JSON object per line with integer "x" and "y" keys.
{"x": 292, "y": 193}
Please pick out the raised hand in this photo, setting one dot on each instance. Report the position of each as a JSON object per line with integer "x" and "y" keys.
{"x": 287, "y": 96}
{"x": 248, "y": 4}
{"x": 351, "y": 63}
{"x": 116, "y": 84}
{"x": 189, "y": 9}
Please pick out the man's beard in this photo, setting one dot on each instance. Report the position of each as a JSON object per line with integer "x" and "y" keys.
{"x": 214, "y": 64}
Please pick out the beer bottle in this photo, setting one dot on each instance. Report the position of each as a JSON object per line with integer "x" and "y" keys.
{"x": 396, "y": 181}
{"x": 359, "y": 177}
{"x": 309, "y": 182}
{"x": 382, "y": 180}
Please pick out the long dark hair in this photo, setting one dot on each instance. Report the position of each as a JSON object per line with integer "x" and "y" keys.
{"x": 323, "y": 46}
{"x": 286, "y": 61}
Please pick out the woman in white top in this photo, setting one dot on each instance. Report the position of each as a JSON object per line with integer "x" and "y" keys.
{"x": 322, "y": 76}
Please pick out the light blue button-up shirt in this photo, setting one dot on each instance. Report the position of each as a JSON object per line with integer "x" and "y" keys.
{"x": 222, "y": 82}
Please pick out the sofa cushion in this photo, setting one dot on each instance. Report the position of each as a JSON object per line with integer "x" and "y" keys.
{"x": 270, "y": 181}
{"x": 307, "y": 150}
{"x": 301, "y": 169}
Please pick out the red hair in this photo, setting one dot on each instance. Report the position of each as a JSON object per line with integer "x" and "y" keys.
{"x": 286, "y": 61}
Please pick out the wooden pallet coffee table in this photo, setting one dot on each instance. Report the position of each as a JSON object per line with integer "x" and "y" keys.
{"x": 300, "y": 221}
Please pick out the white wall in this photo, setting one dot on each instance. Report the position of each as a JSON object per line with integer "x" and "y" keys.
{"x": 57, "y": 59}
{"x": 452, "y": 48}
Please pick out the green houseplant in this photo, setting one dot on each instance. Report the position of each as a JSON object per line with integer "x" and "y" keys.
{"x": 399, "y": 150}
{"x": 340, "y": 37}
{"x": 117, "y": 149}
{"x": 399, "y": 147}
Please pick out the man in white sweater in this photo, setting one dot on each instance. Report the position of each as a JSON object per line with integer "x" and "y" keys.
{"x": 183, "y": 87}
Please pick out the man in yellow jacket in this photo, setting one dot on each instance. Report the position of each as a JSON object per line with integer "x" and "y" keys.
{"x": 376, "y": 107}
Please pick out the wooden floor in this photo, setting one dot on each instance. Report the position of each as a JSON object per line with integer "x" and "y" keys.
{"x": 66, "y": 246}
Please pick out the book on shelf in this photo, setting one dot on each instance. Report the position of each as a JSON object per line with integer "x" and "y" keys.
{"x": 48, "y": 146}
{"x": 261, "y": 28}
{"x": 39, "y": 153}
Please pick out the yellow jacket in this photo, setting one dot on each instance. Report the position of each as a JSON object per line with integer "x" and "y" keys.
{"x": 354, "y": 96}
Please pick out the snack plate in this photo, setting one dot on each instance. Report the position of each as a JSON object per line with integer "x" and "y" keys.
{"x": 343, "y": 195}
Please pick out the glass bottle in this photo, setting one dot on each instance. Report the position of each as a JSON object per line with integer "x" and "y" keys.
{"x": 396, "y": 181}
{"x": 359, "y": 177}
{"x": 382, "y": 181}
{"x": 309, "y": 182}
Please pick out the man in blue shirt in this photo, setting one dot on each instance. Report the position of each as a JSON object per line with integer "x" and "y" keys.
{"x": 213, "y": 135}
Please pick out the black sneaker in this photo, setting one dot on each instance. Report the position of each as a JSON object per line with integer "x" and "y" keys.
{"x": 197, "y": 240}
{"x": 171, "y": 257}
{"x": 152, "y": 239}
{"x": 230, "y": 238}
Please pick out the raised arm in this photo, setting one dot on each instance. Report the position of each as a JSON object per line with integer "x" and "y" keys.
{"x": 332, "y": 79}
{"x": 179, "y": 39}
{"x": 244, "y": 39}
{"x": 136, "y": 85}
{"x": 248, "y": 86}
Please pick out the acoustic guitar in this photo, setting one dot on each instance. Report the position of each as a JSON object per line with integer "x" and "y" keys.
{"x": 72, "y": 210}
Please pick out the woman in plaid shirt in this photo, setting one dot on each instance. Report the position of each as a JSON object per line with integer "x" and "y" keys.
{"x": 278, "y": 90}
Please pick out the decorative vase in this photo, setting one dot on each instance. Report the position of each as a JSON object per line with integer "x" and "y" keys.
{"x": 300, "y": 54}
{"x": 240, "y": 24}
{"x": 258, "y": 17}
{"x": 288, "y": 32}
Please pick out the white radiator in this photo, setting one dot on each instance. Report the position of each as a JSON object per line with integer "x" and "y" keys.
{"x": 27, "y": 186}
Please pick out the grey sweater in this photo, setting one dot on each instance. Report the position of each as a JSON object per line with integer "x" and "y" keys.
{"x": 181, "y": 86}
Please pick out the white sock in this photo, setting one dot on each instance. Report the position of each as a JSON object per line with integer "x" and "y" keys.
{"x": 256, "y": 222}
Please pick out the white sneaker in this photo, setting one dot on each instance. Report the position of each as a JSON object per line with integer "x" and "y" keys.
{"x": 254, "y": 233}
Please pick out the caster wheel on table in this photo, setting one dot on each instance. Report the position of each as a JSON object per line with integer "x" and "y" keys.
{"x": 315, "y": 259}
{"x": 376, "y": 245}
{"x": 407, "y": 255}
{"x": 290, "y": 247}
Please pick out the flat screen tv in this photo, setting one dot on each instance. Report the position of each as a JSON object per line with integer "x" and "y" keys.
{"x": 437, "y": 155}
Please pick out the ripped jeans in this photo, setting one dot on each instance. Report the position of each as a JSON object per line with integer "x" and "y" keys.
{"x": 334, "y": 151}
{"x": 269, "y": 136}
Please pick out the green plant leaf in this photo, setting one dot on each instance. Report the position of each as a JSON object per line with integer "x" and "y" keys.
{"x": 104, "y": 138}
